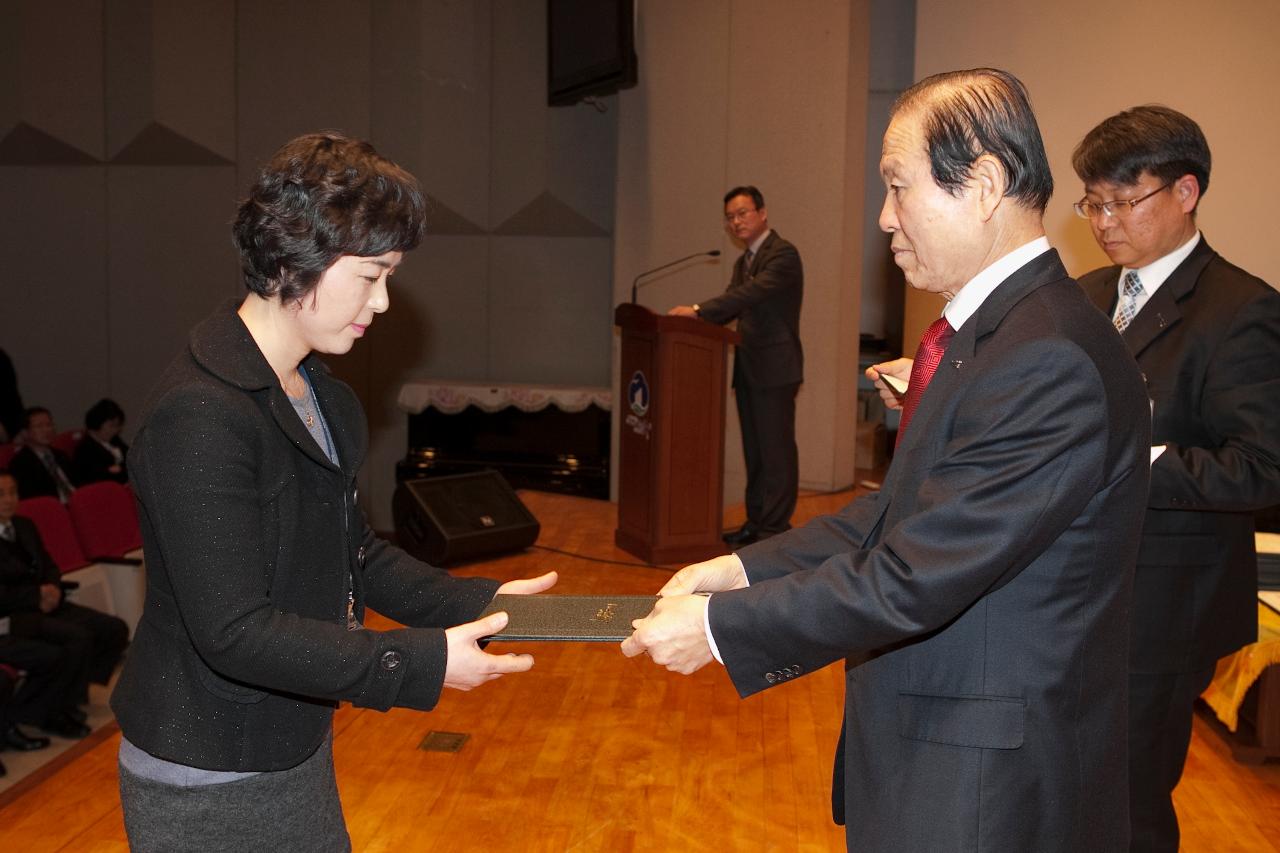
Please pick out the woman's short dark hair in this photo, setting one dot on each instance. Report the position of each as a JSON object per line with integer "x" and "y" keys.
{"x": 320, "y": 197}
{"x": 757, "y": 197}
{"x": 966, "y": 114}
{"x": 102, "y": 411}
{"x": 1151, "y": 138}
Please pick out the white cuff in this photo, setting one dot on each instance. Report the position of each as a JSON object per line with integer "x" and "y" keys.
{"x": 1155, "y": 452}
{"x": 706, "y": 625}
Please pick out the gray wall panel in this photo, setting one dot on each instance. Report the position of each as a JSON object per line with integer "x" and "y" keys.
{"x": 170, "y": 263}
{"x": 52, "y": 324}
{"x": 551, "y": 315}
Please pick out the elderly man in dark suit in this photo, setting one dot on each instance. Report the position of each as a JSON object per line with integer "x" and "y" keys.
{"x": 1206, "y": 335}
{"x": 764, "y": 296}
{"x": 980, "y": 599}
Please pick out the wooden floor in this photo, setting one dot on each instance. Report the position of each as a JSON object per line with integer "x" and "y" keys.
{"x": 595, "y": 752}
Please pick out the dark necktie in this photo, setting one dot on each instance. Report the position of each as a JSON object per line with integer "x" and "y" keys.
{"x": 928, "y": 356}
{"x": 747, "y": 257}
{"x": 59, "y": 476}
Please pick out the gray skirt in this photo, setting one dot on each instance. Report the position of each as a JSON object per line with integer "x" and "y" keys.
{"x": 290, "y": 810}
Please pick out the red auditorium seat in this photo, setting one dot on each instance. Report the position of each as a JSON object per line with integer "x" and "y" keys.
{"x": 67, "y": 440}
{"x": 106, "y": 521}
{"x": 54, "y": 523}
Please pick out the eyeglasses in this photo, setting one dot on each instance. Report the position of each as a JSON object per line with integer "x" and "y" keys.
{"x": 739, "y": 214}
{"x": 1118, "y": 209}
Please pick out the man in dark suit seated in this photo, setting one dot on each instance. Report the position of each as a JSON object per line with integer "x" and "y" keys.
{"x": 32, "y": 599}
{"x": 33, "y": 684}
{"x": 100, "y": 455}
{"x": 41, "y": 469}
{"x": 1206, "y": 335}
{"x": 764, "y": 296}
{"x": 980, "y": 600}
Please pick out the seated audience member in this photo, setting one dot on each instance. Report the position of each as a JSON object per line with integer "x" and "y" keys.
{"x": 32, "y": 683}
{"x": 39, "y": 468}
{"x": 100, "y": 454}
{"x": 91, "y": 642}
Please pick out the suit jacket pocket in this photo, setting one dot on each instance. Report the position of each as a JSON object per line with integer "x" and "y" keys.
{"x": 982, "y": 722}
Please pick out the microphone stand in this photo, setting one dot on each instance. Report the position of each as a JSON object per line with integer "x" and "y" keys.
{"x": 714, "y": 253}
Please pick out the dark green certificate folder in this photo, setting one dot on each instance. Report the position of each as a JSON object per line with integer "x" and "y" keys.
{"x": 566, "y": 618}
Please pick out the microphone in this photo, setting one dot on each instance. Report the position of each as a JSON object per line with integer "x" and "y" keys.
{"x": 714, "y": 253}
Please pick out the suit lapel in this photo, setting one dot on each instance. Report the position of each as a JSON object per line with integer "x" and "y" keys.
{"x": 766, "y": 249}
{"x": 1161, "y": 311}
{"x": 951, "y": 373}
{"x": 1102, "y": 288}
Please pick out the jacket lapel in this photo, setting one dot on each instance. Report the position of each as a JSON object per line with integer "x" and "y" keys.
{"x": 347, "y": 425}
{"x": 1161, "y": 311}
{"x": 1041, "y": 270}
{"x": 223, "y": 346}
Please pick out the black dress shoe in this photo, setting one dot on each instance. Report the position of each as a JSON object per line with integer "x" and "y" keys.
{"x": 63, "y": 725}
{"x": 16, "y": 738}
{"x": 744, "y": 535}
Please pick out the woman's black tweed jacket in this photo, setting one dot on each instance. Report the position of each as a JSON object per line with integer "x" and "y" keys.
{"x": 250, "y": 534}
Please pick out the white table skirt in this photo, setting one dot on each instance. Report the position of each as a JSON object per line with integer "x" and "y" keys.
{"x": 453, "y": 397}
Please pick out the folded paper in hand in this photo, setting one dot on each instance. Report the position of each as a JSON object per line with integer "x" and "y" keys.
{"x": 570, "y": 618}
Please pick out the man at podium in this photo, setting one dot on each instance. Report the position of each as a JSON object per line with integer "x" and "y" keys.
{"x": 764, "y": 296}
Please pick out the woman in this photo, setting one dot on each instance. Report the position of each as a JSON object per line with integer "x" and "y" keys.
{"x": 259, "y": 564}
{"x": 99, "y": 455}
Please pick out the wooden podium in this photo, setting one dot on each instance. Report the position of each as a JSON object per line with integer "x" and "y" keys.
{"x": 671, "y": 446}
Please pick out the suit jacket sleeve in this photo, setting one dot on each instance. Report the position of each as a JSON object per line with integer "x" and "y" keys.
{"x": 1024, "y": 457}
{"x": 1238, "y": 468}
{"x": 779, "y": 270}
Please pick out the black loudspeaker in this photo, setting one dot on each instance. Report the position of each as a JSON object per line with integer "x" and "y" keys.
{"x": 446, "y": 520}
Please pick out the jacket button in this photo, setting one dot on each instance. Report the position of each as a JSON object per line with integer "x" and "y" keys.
{"x": 771, "y": 677}
{"x": 796, "y": 670}
{"x": 360, "y": 557}
{"x": 390, "y": 660}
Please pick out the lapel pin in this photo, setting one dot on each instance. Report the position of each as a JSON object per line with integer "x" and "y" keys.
{"x": 957, "y": 363}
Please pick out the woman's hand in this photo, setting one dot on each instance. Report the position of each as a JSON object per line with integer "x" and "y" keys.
{"x": 467, "y": 666}
{"x": 529, "y": 586}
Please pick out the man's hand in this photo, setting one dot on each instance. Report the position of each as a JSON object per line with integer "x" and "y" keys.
{"x": 50, "y": 597}
{"x": 674, "y": 634}
{"x": 715, "y": 575}
{"x": 467, "y": 666}
{"x": 528, "y": 586}
{"x": 683, "y": 311}
{"x": 899, "y": 368}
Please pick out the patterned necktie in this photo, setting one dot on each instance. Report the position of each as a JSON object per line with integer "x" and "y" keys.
{"x": 928, "y": 356}
{"x": 1128, "y": 302}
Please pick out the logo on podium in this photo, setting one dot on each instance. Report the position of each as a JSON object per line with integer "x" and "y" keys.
{"x": 638, "y": 393}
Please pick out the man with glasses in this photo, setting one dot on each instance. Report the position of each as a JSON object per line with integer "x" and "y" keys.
{"x": 1206, "y": 334}
{"x": 764, "y": 296}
